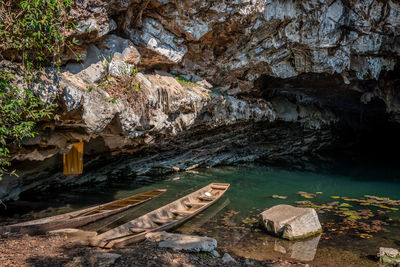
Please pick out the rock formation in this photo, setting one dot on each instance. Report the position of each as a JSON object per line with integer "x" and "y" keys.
{"x": 261, "y": 79}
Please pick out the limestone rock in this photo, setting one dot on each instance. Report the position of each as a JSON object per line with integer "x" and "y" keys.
{"x": 291, "y": 222}
{"x": 183, "y": 242}
{"x": 93, "y": 25}
{"x": 92, "y": 69}
{"x": 114, "y": 46}
{"x": 153, "y": 36}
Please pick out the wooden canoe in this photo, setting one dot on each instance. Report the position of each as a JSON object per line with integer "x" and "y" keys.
{"x": 162, "y": 219}
{"x": 80, "y": 217}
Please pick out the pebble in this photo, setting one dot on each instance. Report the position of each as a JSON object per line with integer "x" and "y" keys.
{"x": 228, "y": 259}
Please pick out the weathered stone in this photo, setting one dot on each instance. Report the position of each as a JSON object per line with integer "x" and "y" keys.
{"x": 183, "y": 242}
{"x": 92, "y": 69}
{"x": 291, "y": 222}
{"x": 114, "y": 46}
{"x": 153, "y": 36}
{"x": 92, "y": 25}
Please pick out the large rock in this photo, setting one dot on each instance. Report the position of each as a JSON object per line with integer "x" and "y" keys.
{"x": 183, "y": 242}
{"x": 291, "y": 222}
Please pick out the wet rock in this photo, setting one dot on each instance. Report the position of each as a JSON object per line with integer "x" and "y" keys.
{"x": 227, "y": 259}
{"x": 389, "y": 255}
{"x": 183, "y": 242}
{"x": 103, "y": 259}
{"x": 304, "y": 250}
{"x": 291, "y": 222}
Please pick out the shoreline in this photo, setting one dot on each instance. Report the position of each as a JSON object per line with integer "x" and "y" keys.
{"x": 55, "y": 250}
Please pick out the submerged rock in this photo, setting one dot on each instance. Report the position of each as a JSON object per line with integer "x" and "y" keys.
{"x": 183, "y": 242}
{"x": 291, "y": 222}
{"x": 303, "y": 250}
{"x": 389, "y": 255}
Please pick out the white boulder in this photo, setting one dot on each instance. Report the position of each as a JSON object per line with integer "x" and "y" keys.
{"x": 291, "y": 222}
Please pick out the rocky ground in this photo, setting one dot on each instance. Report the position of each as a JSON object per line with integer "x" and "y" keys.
{"x": 24, "y": 250}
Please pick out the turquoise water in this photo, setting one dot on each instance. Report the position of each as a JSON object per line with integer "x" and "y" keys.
{"x": 250, "y": 193}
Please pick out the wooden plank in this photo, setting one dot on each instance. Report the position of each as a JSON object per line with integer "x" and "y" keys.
{"x": 206, "y": 198}
{"x": 163, "y": 220}
{"x": 183, "y": 212}
{"x": 137, "y": 230}
{"x": 192, "y": 204}
{"x": 218, "y": 187}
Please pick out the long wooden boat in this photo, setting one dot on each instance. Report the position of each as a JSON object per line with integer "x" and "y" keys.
{"x": 162, "y": 219}
{"x": 80, "y": 217}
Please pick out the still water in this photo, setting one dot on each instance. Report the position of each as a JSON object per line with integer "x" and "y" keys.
{"x": 232, "y": 220}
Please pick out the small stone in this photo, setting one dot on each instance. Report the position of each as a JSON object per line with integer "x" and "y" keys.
{"x": 215, "y": 254}
{"x": 228, "y": 259}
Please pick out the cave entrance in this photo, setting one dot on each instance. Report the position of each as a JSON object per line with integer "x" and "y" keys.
{"x": 364, "y": 129}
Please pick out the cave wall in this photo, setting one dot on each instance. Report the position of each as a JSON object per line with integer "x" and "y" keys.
{"x": 268, "y": 79}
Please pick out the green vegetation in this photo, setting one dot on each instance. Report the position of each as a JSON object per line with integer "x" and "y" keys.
{"x": 32, "y": 32}
{"x": 111, "y": 100}
{"x": 185, "y": 82}
{"x": 19, "y": 112}
{"x": 33, "y": 29}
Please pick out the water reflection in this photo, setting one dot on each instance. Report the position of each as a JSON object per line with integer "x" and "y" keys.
{"x": 303, "y": 250}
